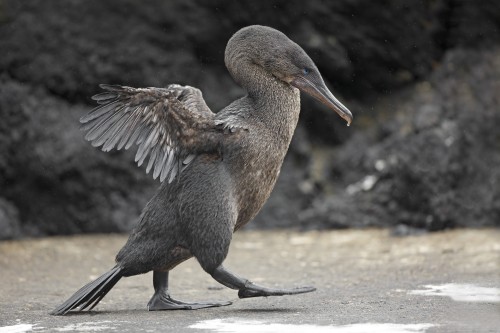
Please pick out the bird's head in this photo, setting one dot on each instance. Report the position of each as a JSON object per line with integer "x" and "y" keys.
{"x": 277, "y": 54}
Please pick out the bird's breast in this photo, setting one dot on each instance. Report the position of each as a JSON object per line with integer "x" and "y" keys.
{"x": 254, "y": 155}
{"x": 254, "y": 165}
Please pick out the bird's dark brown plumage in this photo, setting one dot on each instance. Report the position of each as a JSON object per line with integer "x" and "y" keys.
{"x": 219, "y": 168}
{"x": 165, "y": 124}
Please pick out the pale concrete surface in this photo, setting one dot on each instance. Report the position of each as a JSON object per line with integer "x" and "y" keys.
{"x": 365, "y": 279}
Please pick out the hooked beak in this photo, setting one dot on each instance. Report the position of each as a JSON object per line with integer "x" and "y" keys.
{"x": 322, "y": 94}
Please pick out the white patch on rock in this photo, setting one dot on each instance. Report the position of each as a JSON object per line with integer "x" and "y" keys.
{"x": 87, "y": 327}
{"x": 461, "y": 292}
{"x": 20, "y": 328}
{"x": 253, "y": 326}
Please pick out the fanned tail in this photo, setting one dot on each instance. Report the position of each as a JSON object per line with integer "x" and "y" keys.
{"x": 91, "y": 294}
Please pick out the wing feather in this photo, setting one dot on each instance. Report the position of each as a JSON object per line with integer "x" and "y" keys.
{"x": 114, "y": 133}
{"x": 170, "y": 125}
{"x": 160, "y": 162}
{"x": 99, "y": 111}
{"x": 167, "y": 166}
{"x": 128, "y": 131}
{"x": 173, "y": 172}
{"x": 152, "y": 158}
{"x": 101, "y": 125}
{"x": 134, "y": 137}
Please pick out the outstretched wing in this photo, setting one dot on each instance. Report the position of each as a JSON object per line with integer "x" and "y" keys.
{"x": 171, "y": 125}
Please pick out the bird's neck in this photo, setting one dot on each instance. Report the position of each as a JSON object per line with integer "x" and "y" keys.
{"x": 276, "y": 103}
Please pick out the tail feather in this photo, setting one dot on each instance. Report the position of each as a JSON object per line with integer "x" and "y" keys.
{"x": 101, "y": 296}
{"x": 90, "y": 294}
{"x": 96, "y": 296}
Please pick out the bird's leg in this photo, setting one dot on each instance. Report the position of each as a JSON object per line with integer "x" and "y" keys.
{"x": 249, "y": 289}
{"x": 161, "y": 299}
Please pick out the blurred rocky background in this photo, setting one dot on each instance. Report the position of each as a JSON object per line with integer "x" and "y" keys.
{"x": 421, "y": 77}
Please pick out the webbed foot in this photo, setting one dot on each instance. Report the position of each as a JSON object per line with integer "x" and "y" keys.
{"x": 248, "y": 289}
{"x": 163, "y": 301}
{"x": 253, "y": 290}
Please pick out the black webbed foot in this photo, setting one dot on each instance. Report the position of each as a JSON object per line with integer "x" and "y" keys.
{"x": 248, "y": 289}
{"x": 253, "y": 290}
{"x": 162, "y": 301}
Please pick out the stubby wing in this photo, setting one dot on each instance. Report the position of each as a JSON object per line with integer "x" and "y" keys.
{"x": 170, "y": 125}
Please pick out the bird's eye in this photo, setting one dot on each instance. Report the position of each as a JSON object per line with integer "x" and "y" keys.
{"x": 306, "y": 71}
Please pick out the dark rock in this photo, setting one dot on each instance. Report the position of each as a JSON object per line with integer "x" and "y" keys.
{"x": 423, "y": 146}
{"x": 56, "y": 180}
{"x": 436, "y": 169}
{"x": 9, "y": 220}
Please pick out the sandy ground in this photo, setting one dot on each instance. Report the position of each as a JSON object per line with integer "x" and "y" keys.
{"x": 368, "y": 281}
